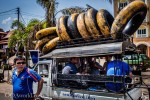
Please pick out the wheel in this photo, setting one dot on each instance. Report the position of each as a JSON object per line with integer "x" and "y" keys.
{"x": 129, "y": 19}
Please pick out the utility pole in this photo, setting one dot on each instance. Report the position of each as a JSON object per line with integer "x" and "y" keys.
{"x": 18, "y": 15}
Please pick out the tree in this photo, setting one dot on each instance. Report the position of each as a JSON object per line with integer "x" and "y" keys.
{"x": 23, "y": 36}
{"x": 18, "y": 37}
{"x": 50, "y": 7}
{"x": 71, "y": 10}
{"x": 16, "y": 24}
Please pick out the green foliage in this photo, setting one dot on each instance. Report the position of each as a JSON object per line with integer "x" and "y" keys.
{"x": 16, "y": 24}
{"x": 71, "y": 10}
{"x": 50, "y": 8}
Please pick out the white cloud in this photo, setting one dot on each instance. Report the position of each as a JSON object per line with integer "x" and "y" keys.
{"x": 5, "y": 21}
{"x": 15, "y": 19}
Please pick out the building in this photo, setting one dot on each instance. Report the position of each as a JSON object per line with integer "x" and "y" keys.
{"x": 141, "y": 37}
{"x": 4, "y": 44}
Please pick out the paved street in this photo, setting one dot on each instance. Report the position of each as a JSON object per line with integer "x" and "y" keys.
{"x": 5, "y": 89}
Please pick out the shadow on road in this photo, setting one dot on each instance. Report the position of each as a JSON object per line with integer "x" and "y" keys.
{"x": 5, "y": 96}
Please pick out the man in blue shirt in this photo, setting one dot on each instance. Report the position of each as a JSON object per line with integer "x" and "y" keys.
{"x": 70, "y": 68}
{"x": 117, "y": 68}
{"x": 22, "y": 81}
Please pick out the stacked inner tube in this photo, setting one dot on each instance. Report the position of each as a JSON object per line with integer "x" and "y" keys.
{"x": 85, "y": 26}
{"x": 47, "y": 39}
{"x": 93, "y": 25}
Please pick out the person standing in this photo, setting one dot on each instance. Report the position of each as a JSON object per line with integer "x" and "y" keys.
{"x": 22, "y": 81}
{"x": 70, "y": 68}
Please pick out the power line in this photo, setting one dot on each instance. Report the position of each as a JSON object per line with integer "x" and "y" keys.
{"x": 7, "y": 11}
{"x": 22, "y": 18}
{"x": 7, "y": 14}
{"x": 30, "y": 14}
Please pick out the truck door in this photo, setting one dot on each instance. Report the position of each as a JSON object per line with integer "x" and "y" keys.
{"x": 43, "y": 71}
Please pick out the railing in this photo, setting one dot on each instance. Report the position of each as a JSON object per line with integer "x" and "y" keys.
{"x": 82, "y": 42}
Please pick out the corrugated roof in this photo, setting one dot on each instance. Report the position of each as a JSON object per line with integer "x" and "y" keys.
{"x": 3, "y": 33}
{"x": 4, "y": 42}
{"x": 8, "y": 35}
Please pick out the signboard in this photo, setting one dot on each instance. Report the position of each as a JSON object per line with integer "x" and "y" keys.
{"x": 34, "y": 54}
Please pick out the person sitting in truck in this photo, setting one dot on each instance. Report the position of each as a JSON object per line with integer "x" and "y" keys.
{"x": 95, "y": 66}
{"x": 70, "y": 67}
{"x": 118, "y": 68}
{"x": 107, "y": 60}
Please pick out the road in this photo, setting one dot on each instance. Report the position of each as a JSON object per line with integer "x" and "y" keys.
{"x": 5, "y": 89}
{"x": 5, "y": 97}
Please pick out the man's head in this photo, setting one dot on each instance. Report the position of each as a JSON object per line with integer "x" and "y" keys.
{"x": 74, "y": 60}
{"x": 19, "y": 61}
{"x": 108, "y": 58}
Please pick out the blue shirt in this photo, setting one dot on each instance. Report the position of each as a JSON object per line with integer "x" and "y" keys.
{"x": 72, "y": 70}
{"x": 117, "y": 68}
{"x": 22, "y": 84}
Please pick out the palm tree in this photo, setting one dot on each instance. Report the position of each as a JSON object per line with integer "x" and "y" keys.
{"x": 50, "y": 7}
{"x": 23, "y": 36}
{"x": 71, "y": 10}
{"x": 16, "y": 24}
{"x": 18, "y": 37}
{"x": 33, "y": 26}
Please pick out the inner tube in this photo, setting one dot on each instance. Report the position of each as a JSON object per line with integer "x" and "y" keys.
{"x": 72, "y": 26}
{"x": 82, "y": 27}
{"x": 45, "y": 32}
{"x": 62, "y": 29}
{"x": 104, "y": 21}
{"x": 129, "y": 19}
{"x": 39, "y": 45}
{"x": 91, "y": 24}
{"x": 49, "y": 46}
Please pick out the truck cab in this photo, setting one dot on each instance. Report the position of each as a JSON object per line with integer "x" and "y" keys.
{"x": 43, "y": 68}
{"x": 60, "y": 86}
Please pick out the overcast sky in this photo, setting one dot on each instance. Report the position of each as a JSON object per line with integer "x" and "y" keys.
{"x": 30, "y": 9}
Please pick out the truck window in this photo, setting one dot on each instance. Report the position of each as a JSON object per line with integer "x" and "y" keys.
{"x": 43, "y": 70}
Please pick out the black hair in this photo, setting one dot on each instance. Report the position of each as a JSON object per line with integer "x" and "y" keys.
{"x": 19, "y": 57}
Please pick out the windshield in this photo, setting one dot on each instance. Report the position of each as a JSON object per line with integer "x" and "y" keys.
{"x": 43, "y": 70}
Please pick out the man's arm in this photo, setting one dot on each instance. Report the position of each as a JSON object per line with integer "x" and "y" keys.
{"x": 97, "y": 65}
{"x": 39, "y": 88}
{"x": 66, "y": 70}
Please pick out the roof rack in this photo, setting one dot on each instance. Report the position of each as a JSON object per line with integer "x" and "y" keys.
{"x": 80, "y": 42}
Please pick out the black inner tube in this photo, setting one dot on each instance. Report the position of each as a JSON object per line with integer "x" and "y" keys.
{"x": 134, "y": 23}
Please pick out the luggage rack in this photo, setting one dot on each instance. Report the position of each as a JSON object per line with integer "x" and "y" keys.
{"x": 81, "y": 42}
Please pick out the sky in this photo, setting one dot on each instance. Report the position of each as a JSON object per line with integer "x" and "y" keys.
{"x": 30, "y": 9}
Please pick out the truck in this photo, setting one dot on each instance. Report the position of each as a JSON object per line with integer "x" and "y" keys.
{"x": 58, "y": 86}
